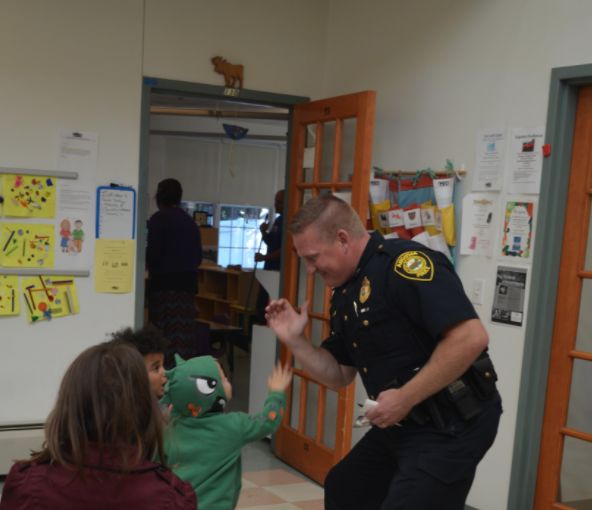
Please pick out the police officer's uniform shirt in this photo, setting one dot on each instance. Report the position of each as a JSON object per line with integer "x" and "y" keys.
{"x": 387, "y": 319}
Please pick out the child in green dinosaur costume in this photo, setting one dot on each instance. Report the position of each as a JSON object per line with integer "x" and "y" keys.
{"x": 202, "y": 443}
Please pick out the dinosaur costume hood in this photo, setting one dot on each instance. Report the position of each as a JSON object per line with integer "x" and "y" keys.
{"x": 194, "y": 387}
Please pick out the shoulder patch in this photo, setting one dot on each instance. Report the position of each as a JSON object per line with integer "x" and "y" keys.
{"x": 414, "y": 265}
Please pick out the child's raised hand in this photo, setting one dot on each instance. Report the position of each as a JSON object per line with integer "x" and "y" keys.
{"x": 280, "y": 378}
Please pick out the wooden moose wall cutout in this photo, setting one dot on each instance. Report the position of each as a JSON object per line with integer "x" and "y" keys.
{"x": 233, "y": 73}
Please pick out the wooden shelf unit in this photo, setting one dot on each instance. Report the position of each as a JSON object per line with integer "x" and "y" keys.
{"x": 223, "y": 293}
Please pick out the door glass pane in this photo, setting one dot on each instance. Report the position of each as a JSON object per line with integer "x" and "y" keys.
{"x": 295, "y": 402}
{"x": 328, "y": 149}
{"x": 302, "y": 279}
{"x": 348, "y": 145}
{"x": 312, "y": 402}
{"x": 318, "y": 294}
{"x": 310, "y": 137}
{"x": 579, "y": 414}
{"x": 576, "y": 472}
{"x": 584, "y": 334}
{"x": 330, "y": 418}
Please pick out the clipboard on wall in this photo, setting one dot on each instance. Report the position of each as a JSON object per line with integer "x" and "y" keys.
{"x": 116, "y": 212}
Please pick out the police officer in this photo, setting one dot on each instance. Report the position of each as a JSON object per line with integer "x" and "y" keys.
{"x": 399, "y": 318}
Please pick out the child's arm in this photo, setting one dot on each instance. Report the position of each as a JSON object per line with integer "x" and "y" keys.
{"x": 259, "y": 425}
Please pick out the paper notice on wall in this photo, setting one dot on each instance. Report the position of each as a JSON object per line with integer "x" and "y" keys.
{"x": 508, "y": 300}
{"x": 525, "y": 160}
{"x": 477, "y": 231}
{"x": 114, "y": 263}
{"x": 517, "y": 233}
{"x": 489, "y": 160}
{"x": 77, "y": 152}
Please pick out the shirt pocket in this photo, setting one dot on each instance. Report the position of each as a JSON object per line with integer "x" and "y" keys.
{"x": 372, "y": 324}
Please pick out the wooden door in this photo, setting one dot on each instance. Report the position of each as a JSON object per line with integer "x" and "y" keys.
{"x": 331, "y": 152}
{"x": 565, "y": 463}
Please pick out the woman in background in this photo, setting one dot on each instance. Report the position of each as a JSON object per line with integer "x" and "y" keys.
{"x": 99, "y": 439}
{"x": 173, "y": 255}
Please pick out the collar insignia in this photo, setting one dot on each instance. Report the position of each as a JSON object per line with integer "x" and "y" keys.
{"x": 414, "y": 265}
{"x": 365, "y": 290}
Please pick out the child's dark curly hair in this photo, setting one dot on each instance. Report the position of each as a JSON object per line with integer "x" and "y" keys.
{"x": 148, "y": 340}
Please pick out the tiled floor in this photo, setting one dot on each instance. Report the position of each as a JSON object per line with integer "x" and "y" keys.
{"x": 268, "y": 483}
{"x": 279, "y": 489}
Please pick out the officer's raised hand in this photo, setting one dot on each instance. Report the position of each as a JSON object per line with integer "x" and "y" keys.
{"x": 287, "y": 323}
{"x": 393, "y": 406}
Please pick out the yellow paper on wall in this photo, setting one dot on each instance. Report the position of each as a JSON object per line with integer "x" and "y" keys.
{"x": 29, "y": 196}
{"x": 27, "y": 245}
{"x": 448, "y": 225}
{"x": 9, "y": 295}
{"x": 49, "y": 297}
{"x": 114, "y": 264}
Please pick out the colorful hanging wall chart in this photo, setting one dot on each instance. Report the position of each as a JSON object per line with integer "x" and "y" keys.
{"x": 26, "y": 245}
{"x": 9, "y": 295}
{"x": 29, "y": 196}
{"x": 49, "y": 297}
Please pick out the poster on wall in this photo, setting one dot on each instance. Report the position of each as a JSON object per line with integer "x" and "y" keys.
{"x": 77, "y": 152}
{"x": 489, "y": 162}
{"x": 28, "y": 245}
{"x": 517, "y": 232}
{"x": 525, "y": 160}
{"x": 478, "y": 215}
{"x": 49, "y": 297}
{"x": 28, "y": 196}
{"x": 508, "y": 299}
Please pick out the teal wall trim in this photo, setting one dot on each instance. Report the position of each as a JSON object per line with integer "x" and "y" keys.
{"x": 565, "y": 82}
{"x": 149, "y": 85}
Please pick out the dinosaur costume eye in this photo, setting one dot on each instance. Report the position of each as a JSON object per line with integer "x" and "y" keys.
{"x": 205, "y": 385}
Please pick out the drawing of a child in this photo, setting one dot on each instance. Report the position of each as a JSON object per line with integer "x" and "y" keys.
{"x": 77, "y": 236}
{"x": 65, "y": 235}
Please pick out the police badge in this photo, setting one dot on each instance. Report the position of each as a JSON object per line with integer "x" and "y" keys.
{"x": 365, "y": 290}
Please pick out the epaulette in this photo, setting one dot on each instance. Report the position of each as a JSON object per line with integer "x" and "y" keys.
{"x": 394, "y": 247}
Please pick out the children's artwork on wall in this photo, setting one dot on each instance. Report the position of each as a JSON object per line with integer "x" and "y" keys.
{"x": 29, "y": 196}
{"x": 49, "y": 297}
{"x": 71, "y": 234}
{"x": 517, "y": 235}
{"x": 26, "y": 245}
{"x": 9, "y": 295}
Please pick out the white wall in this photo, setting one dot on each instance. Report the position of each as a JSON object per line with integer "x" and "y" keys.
{"x": 71, "y": 65}
{"x": 442, "y": 70}
{"x": 281, "y": 44}
{"x": 78, "y": 65}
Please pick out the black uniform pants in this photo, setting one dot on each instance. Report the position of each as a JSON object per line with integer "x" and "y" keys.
{"x": 413, "y": 467}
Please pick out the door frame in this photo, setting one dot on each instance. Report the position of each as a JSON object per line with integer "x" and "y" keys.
{"x": 150, "y": 84}
{"x": 564, "y": 86}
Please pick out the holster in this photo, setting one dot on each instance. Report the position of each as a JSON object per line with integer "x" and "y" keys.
{"x": 465, "y": 395}
{"x": 475, "y": 386}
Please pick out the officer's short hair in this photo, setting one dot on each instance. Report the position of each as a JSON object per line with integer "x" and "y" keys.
{"x": 329, "y": 214}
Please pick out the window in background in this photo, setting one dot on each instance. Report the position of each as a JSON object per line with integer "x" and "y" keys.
{"x": 200, "y": 210}
{"x": 239, "y": 234}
